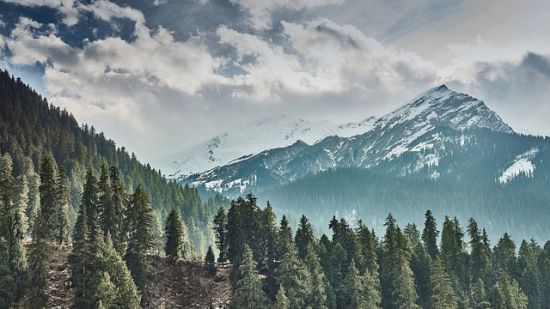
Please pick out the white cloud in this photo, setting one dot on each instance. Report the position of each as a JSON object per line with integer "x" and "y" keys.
{"x": 322, "y": 56}
{"x": 114, "y": 83}
{"x": 70, "y": 9}
{"x": 29, "y": 49}
{"x": 67, "y": 8}
{"x": 518, "y": 90}
{"x": 261, "y": 11}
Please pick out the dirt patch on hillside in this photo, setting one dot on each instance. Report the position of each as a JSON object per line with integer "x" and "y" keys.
{"x": 184, "y": 285}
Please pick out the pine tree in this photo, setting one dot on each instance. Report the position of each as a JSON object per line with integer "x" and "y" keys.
{"x": 248, "y": 292}
{"x": 281, "y": 301}
{"x": 174, "y": 236}
{"x": 529, "y": 274}
{"x": 453, "y": 251}
{"x": 141, "y": 237}
{"x": 33, "y": 181}
{"x": 285, "y": 233}
{"x": 335, "y": 267}
{"x": 319, "y": 284}
{"x": 210, "y": 262}
{"x": 7, "y": 294}
{"x": 507, "y": 294}
{"x": 543, "y": 264}
{"x": 420, "y": 265}
{"x": 12, "y": 229}
{"x": 430, "y": 234}
{"x": 105, "y": 294}
{"x": 294, "y": 277}
{"x": 478, "y": 297}
{"x": 106, "y": 207}
{"x": 396, "y": 278}
{"x": 480, "y": 258}
{"x": 127, "y": 294}
{"x": 81, "y": 261}
{"x": 304, "y": 237}
{"x": 48, "y": 200}
{"x": 38, "y": 253}
{"x": 353, "y": 287}
{"x": 268, "y": 239}
{"x": 220, "y": 231}
{"x": 62, "y": 209}
{"x": 118, "y": 229}
{"x": 21, "y": 201}
{"x": 369, "y": 245}
{"x": 371, "y": 290}
{"x": 443, "y": 294}
{"x": 7, "y": 187}
{"x": 90, "y": 204}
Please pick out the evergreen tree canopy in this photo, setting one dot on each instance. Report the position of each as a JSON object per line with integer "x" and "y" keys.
{"x": 248, "y": 292}
{"x": 174, "y": 236}
{"x": 430, "y": 234}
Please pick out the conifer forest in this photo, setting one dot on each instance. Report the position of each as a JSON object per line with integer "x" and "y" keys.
{"x": 274, "y": 154}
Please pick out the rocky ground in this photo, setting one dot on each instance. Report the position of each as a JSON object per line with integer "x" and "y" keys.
{"x": 185, "y": 285}
{"x": 170, "y": 285}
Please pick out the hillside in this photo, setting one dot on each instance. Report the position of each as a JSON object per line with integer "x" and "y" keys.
{"x": 30, "y": 127}
{"x": 181, "y": 285}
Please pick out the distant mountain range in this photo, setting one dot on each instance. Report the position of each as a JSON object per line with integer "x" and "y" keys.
{"x": 443, "y": 150}
{"x": 252, "y": 138}
{"x": 417, "y": 131}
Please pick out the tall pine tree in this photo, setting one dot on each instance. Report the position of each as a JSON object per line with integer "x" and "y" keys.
{"x": 174, "y": 236}
{"x": 430, "y": 234}
{"x": 141, "y": 237}
{"x": 220, "y": 231}
{"x": 62, "y": 208}
{"x": 248, "y": 292}
{"x": 48, "y": 200}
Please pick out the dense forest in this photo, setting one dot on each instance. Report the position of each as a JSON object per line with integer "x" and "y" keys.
{"x": 31, "y": 128}
{"x": 455, "y": 267}
{"x": 110, "y": 246}
{"x": 371, "y": 194}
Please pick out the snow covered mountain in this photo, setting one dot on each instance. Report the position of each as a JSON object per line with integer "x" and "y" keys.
{"x": 252, "y": 138}
{"x": 419, "y": 138}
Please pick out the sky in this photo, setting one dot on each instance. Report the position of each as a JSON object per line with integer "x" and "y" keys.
{"x": 160, "y": 75}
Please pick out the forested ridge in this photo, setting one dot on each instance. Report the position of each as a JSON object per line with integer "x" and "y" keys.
{"x": 371, "y": 194}
{"x": 110, "y": 248}
{"x": 31, "y": 128}
{"x": 448, "y": 265}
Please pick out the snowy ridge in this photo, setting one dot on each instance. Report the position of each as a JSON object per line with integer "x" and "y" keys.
{"x": 522, "y": 165}
{"x": 252, "y": 138}
{"x": 409, "y": 140}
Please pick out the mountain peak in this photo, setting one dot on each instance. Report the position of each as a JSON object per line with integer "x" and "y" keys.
{"x": 441, "y": 106}
{"x": 442, "y": 87}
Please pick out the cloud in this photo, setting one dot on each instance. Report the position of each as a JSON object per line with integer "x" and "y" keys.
{"x": 113, "y": 83}
{"x": 67, "y": 8}
{"x": 261, "y": 11}
{"x": 518, "y": 90}
{"x": 321, "y": 56}
{"x": 27, "y": 49}
{"x": 155, "y": 76}
{"x": 71, "y": 9}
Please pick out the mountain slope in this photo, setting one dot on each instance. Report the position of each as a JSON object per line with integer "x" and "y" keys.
{"x": 252, "y": 138}
{"x": 443, "y": 151}
{"x": 30, "y": 128}
{"x": 416, "y": 131}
